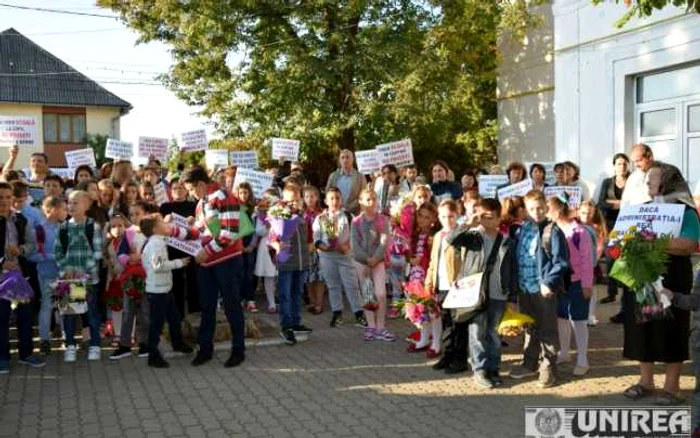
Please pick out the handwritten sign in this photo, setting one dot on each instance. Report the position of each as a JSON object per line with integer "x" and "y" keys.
{"x": 191, "y": 247}
{"x": 489, "y": 183}
{"x": 18, "y": 130}
{"x": 367, "y": 161}
{"x": 574, "y": 193}
{"x": 216, "y": 158}
{"x": 119, "y": 150}
{"x": 247, "y": 159}
{"x": 548, "y": 171}
{"x": 194, "y": 141}
{"x": 285, "y": 148}
{"x": 660, "y": 218}
{"x": 517, "y": 189}
{"x": 398, "y": 153}
{"x": 62, "y": 172}
{"x": 161, "y": 193}
{"x": 153, "y": 147}
{"x": 260, "y": 181}
{"x": 80, "y": 157}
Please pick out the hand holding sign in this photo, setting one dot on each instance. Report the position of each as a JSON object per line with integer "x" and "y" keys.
{"x": 285, "y": 149}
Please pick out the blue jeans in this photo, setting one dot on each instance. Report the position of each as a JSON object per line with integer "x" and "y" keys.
{"x": 46, "y": 309}
{"x": 222, "y": 279}
{"x": 93, "y": 315}
{"x": 162, "y": 307}
{"x": 484, "y": 342}
{"x": 290, "y": 285}
{"x": 24, "y": 314}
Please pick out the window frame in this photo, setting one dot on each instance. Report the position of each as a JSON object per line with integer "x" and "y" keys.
{"x": 60, "y": 112}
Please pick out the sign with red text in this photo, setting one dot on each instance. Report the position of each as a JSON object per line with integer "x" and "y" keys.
{"x": 367, "y": 161}
{"x": 659, "y": 218}
{"x": 153, "y": 147}
{"x": 399, "y": 153}
{"x": 119, "y": 150}
{"x": 194, "y": 141}
{"x": 18, "y": 130}
{"x": 286, "y": 149}
{"x": 191, "y": 247}
{"x": 80, "y": 157}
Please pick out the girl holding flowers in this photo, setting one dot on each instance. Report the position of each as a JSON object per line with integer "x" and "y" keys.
{"x": 264, "y": 267}
{"x": 314, "y": 281}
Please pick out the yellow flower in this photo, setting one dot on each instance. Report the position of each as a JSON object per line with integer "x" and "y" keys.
{"x": 628, "y": 237}
{"x": 78, "y": 292}
{"x": 633, "y": 229}
{"x": 613, "y": 234}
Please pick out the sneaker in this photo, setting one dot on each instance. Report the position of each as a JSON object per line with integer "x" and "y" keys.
{"x": 393, "y": 313}
{"x": 272, "y": 310}
{"x": 32, "y": 361}
{"x": 443, "y": 362}
{"x": 234, "y": 360}
{"x": 616, "y": 319}
{"x": 481, "y": 380}
{"x": 251, "y": 307}
{"x": 143, "y": 350}
{"x": 301, "y": 329}
{"x": 201, "y": 359}
{"x": 4, "y": 366}
{"x": 413, "y": 337}
{"x": 70, "y": 354}
{"x": 581, "y": 370}
{"x": 592, "y": 322}
{"x": 369, "y": 334}
{"x": 431, "y": 354}
{"x": 288, "y": 336}
{"x": 337, "y": 319}
{"x": 360, "y": 319}
{"x": 155, "y": 360}
{"x": 495, "y": 378}
{"x": 547, "y": 378}
{"x": 521, "y": 372}
{"x": 455, "y": 367}
{"x": 384, "y": 335}
{"x": 94, "y": 353}
{"x": 607, "y": 300}
{"x": 45, "y": 348}
{"x": 183, "y": 348}
{"x": 120, "y": 353}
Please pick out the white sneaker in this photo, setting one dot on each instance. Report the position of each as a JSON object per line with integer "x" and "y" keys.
{"x": 94, "y": 353}
{"x": 70, "y": 353}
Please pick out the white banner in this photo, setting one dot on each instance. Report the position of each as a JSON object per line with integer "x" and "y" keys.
{"x": 574, "y": 193}
{"x": 216, "y": 158}
{"x": 18, "y": 130}
{"x": 285, "y": 148}
{"x": 661, "y": 218}
{"x": 194, "y": 141}
{"x": 161, "y": 193}
{"x": 191, "y": 247}
{"x": 517, "y": 189}
{"x": 399, "y": 153}
{"x": 488, "y": 184}
{"x": 119, "y": 150}
{"x": 260, "y": 181}
{"x": 548, "y": 171}
{"x": 62, "y": 172}
{"x": 153, "y": 147}
{"x": 80, "y": 157}
{"x": 247, "y": 159}
{"x": 367, "y": 161}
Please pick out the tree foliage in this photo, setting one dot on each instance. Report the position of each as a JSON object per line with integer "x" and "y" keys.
{"x": 98, "y": 143}
{"x": 645, "y": 8}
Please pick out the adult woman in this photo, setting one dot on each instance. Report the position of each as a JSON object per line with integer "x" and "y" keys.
{"x": 516, "y": 173}
{"x": 442, "y": 187}
{"x": 560, "y": 176}
{"x": 538, "y": 175}
{"x": 665, "y": 340}
{"x": 469, "y": 183}
{"x": 83, "y": 173}
{"x": 572, "y": 177}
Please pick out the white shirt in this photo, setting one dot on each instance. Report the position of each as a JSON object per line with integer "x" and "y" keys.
{"x": 636, "y": 191}
{"x": 443, "y": 279}
{"x": 159, "y": 279}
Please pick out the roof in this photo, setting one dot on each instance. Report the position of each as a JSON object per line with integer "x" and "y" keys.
{"x": 30, "y": 74}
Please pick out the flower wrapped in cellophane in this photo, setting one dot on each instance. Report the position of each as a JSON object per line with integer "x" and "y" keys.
{"x": 514, "y": 323}
{"x": 15, "y": 288}
{"x": 419, "y": 306}
{"x": 70, "y": 294}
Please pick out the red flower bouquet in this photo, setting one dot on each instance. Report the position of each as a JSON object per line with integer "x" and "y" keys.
{"x": 114, "y": 296}
{"x": 420, "y": 306}
{"x": 133, "y": 280}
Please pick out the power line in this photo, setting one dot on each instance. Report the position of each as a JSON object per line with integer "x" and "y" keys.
{"x": 57, "y": 11}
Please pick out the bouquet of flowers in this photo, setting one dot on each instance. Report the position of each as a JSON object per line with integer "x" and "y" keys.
{"x": 15, "y": 288}
{"x": 396, "y": 210}
{"x": 70, "y": 295}
{"x": 284, "y": 220}
{"x": 133, "y": 281}
{"x": 640, "y": 261}
{"x": 329, "y": 228}
{"x": 419, "y": 306}
{"x": 513, "y": 323}
{"x": 114, "y": 295}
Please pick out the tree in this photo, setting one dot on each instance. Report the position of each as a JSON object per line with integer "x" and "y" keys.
{"x": 98, "y": 143}
{"x": 645, "y": 8}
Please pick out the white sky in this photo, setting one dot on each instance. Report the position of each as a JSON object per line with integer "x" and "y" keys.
{"x": 106, "y": 51}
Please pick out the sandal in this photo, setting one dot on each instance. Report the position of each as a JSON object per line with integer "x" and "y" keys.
{"x": 665, "y": 398}
{"x": 413, "y": 349}
{"x": 637, "y": 391}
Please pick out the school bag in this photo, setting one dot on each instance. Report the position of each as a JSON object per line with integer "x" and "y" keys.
{"x": 63, "y": 235}
{"x": 547, "y": 246}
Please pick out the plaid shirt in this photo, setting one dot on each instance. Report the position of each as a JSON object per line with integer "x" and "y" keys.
{"x": 528, "y": 275}
{"x": 80, "y": 256}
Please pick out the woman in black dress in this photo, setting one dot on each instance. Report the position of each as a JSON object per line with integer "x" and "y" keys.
{"x": 665, "y": 340}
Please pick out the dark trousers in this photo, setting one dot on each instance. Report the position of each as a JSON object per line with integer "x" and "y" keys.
{"x": 162, "y": 307}
{"x": 457, "y": 339}
{"x": 290, "y": 285}
{"x": 613, "y": 285}
{"x": 542, "y": 338}
{"x": 24, "y": 313}
{"x": 248, "y": 280}
{"x": 221, "y": 280}
{"x": 185, "y": 290}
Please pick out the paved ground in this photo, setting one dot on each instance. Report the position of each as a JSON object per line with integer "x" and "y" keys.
{"x": 333, "y": 385}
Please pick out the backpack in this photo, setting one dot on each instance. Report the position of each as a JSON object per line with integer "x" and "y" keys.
{"x": 547, "y": 246}
{"x": 63, "y": 235}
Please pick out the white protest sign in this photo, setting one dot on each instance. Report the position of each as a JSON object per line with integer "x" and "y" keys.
{"x": 161, "y": 193}
{"x": 285, "y": 148}
{"x": 574, "y": 193}
{"x": 194, "y": 141}
{"x": 216, "y": 158}
{"x": 517, "y": 189}
{"x": 260, "y": 181}
{"x": 80, "y": 157}
{"x": 247, "y": 159}
{"x": 367, "y": 161}
{"x": 489, "y": 183}
{"x": 191, "y": 247}
{"x": 399, "y": 153}
{"x": 153, "y": 147}
{"x": 661, "y": 218}
{"x": 62, "y": 172}
{"x": 18, "y": 130}
{"x": 119, "y": 150}
{"x": 548, "y": 170}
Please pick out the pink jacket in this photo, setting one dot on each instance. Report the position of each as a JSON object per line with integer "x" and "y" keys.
{"x": 580, "y": 253}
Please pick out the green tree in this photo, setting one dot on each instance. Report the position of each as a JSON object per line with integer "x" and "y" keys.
{"x": 98, "y": 143}
{"x": 645, "y": 8}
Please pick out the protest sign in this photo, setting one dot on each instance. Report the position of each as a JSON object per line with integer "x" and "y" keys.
{"x": 285, "y": 148}
{"x": 517, "y": 189}
{"x": 194, "y": 141}
{"x": 548, "y": 170}
{"x": 367, "y": 161}
{"x": 489, "y": 183}
{"x": 161, "y": 193}
{"x": 247, "y": 159}
{"x": 119, "y": 150}
{"x": 36, "y": 193}
{"x": 153, "y": 147}
{"x": 80, "y": 157}
{"x": 660, "y": 218}
{"x": 18, "y": 130}
{"x": 260, "y": 181}
{"x": 216, "y": 158}
{"x": 191, "y": 247}
{"x": 399, "y": 153}
{"x": 62, "y": 172}
{"x": 574, "y": 193}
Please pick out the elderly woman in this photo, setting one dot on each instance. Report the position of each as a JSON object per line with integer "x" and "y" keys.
{"x": 665, "y": 340}
{"x": 442, "y": 187}
{"x": 349, "y": 181}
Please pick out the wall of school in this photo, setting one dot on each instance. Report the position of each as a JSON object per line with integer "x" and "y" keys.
{"x": 102, "y": 120}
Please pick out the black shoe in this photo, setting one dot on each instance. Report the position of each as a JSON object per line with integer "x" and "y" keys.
{"x": 481, "y": 380}
{"x": 288, "y": 336}
{"x": 443, "y": 362}
{"x": 337, "y": 319}
{"x": 143, "y": 350}
{"x": 495, "y": 378}
{"x": 301, "y": 329}
{"x": 455, "y": 367}
{"x": 616, "y": 319}
{"x": 234, "y": 360}
{"x": 504, "y": 344}
{"x": 120, "y": 353}
{"x": 360, "y": 319}
{"x": 45, "y": 348}
{"x": 201, "y": 359}
{"x": 155, "y": 360}
{"x": 607, "y": 300}
{"x": 183, "y": 348}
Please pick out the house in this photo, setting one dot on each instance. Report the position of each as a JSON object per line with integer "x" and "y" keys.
{"x": 580, "y": 89}
{"x": 48, "y": 106}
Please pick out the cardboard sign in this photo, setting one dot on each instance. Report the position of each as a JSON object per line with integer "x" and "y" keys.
{"x": 62, "y": 172}
{"x": 80, "y": 157}
{"x": 517, "y": 189}
{"x": 119, "y": 150}
{"x": 367, "y": 161}
{"x": 398, "y": 153}
{"x": 285, "y": 148}
{"x": 488, "y": 184}
{"x": 465, "y": 293}
{"x": 191, "y": 247}
{"x": 194, "y": 141}
{"x": 37, "y": 194}
{"x": 18, "y": 130}
{"x": 153, "y": 147}
{"x": 548, "y": 171}
{"x": 161, "y": 193}
{"x": 260, "y": 181}
{"x": 247, "y": 159}
{"x": 574, "y": 193}
{"x": 216, "y": 158}
{"x": 660, "y": 218}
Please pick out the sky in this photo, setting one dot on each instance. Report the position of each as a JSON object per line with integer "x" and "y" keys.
{"x": 105, "y": 50}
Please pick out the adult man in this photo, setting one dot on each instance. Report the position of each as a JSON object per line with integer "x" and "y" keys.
{"x": 349, "y": 181}
{"x": 220, "y": 263}
{"x": 636, "y": 191}
{"x": 409, "y": 179}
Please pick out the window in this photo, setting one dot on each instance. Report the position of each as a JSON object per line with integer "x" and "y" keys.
{"x": 694, "y": 118}
{"x": 64, "y": 125}
{"x": 668, "y": 84}
{"x": 50, "y": 128}
{"x": 661, "y": 122}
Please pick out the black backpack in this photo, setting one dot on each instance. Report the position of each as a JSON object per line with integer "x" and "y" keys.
{"x": 63, "y": 235}
{"x": 547, "y": 246}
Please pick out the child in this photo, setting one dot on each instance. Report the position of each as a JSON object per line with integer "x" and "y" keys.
{"x": 159, "y": 282}
{"x": 264, "y": 267}
{"x": 370, "y": 233}
{"x": 314, "y": 282}
{"x": 513, "y": 215}
{"x": 542, "y": 257}
{"x": 78, "y": 251}
{"x": 53, "y": 186}
{"x": 129, "y": 194}
{"x": 115, "y": 235}
{"x": 594, "y": 221}
{"x": 250, "y": 243}
{"x": 331, "y": 232}
{"x": 290, "y": 273}
{"x": 574, "y": 303}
